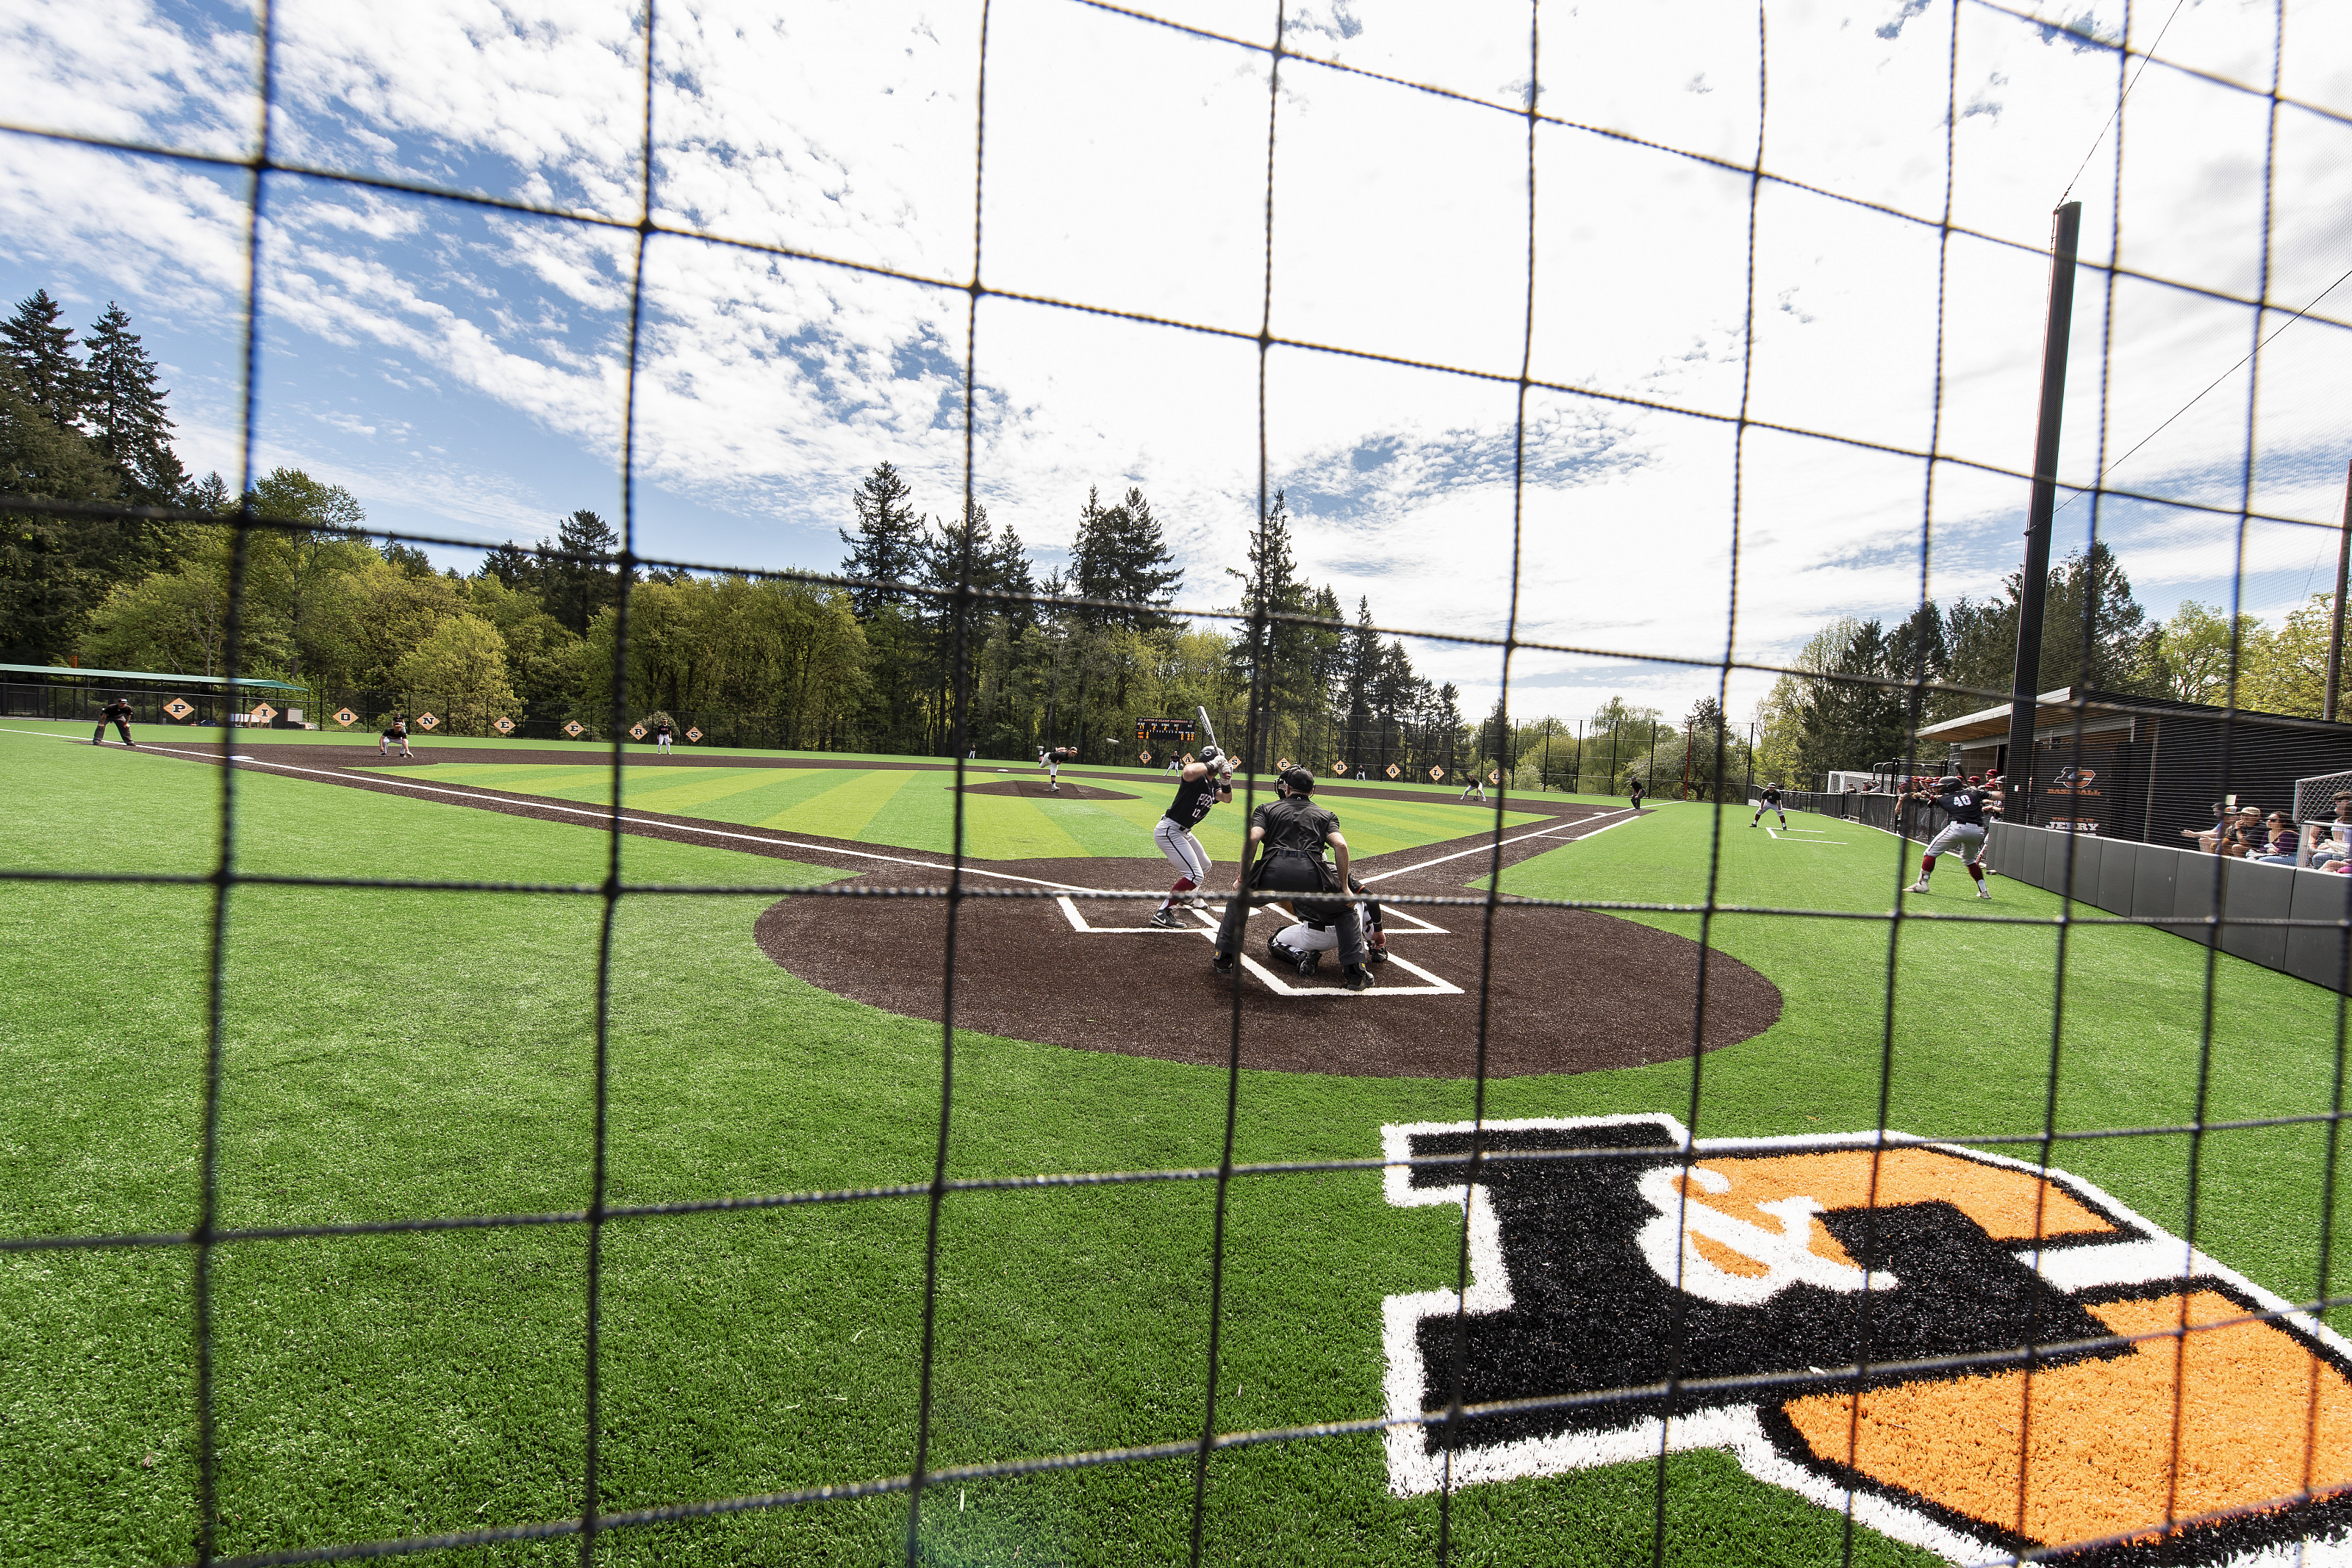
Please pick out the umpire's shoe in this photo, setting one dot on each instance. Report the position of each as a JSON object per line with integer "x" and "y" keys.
{"x": 1222, "y": 963}
{"x": 1354, "y": 977}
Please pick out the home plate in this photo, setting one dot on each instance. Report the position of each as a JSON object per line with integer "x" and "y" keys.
{"x": 1430, "y": 985}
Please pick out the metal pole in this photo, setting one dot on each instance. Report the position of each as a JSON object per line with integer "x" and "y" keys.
{"x": 2335, "y": 628}
{"x": 2026, "y": 677}
{"x": 1750, "y": 793}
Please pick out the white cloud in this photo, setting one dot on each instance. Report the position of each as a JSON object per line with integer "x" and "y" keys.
{"x": 1125, "y": 169}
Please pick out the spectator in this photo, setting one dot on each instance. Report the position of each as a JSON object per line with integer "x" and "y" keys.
{"x": 2207, "y": 838}
{"x": 2278, "y": 841}
{"x": 2331, "y": 842}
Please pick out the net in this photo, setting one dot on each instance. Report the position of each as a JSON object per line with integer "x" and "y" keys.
{"x": 1456, "y": 1415}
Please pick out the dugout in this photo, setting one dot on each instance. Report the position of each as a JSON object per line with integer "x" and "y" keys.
{"x": 2145, "y": 767}
{"x": 65, "y": 691}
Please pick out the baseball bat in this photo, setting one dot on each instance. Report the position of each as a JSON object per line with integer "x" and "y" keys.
{"x": 1207, "y": 729}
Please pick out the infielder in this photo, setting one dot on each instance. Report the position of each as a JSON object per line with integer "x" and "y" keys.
{"x": 1476, "y": 783}
{"x": 396, "y": 730}
{"x": 1199, "y": 787}
{"x": 1965, "y": 832}
{"x": 1293, "y": 832}
{"x": 1769, "y": 801}
{"x": 663, "y": 730}
{"x": 118, "y": 714}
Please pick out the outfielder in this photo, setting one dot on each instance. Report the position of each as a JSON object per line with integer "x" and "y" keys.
{"x": 663, "y": 730}
{"x": 1965, "y": 832}
{"x": 1199, "y": 787}
{"x": 396, "y": 730}
{"x": 1768, "y": 801}
{"x": 118, "y": 714}
{"x": 1293, "y": 832}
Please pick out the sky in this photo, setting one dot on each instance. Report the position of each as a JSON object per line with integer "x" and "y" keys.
{"x": 464, "y": 369}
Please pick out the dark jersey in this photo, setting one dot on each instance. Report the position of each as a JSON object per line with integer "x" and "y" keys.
{"x": 1295, "y": 825}
{"x": 117, "y": 709}
{"x": 1194, "y": 799}
{"x": 1772, "y": 796}
{"x": 395, "y": 731}
{"x": 664, "y": 728}
{"x": 1965, "y": 807}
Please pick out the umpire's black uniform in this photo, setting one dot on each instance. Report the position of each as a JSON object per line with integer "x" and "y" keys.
{"x": 1290, "y": 859}
{"x": 118, "y": 714}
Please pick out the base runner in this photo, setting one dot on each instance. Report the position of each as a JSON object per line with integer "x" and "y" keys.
{"x": 1200, "y": 787}
{"x": 1963, "y": 834}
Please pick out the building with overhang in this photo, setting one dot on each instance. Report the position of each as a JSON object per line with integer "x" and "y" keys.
{"x": 2141, "y": 768}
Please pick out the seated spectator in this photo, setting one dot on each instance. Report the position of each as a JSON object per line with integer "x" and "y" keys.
{"x": 2208, "y": 837}
{"x": 2279, "y": 840}
{"x": 2331, "y": 842}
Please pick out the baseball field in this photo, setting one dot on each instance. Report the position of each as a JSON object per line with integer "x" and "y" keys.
{"x": 389, "y": 1053}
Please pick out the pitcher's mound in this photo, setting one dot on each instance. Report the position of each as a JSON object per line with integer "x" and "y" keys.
{"x": 1038, "y": 790}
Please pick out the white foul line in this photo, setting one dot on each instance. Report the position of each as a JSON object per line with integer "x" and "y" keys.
{"x": 1488, "y": 848}
{"x": 602, "y": 815}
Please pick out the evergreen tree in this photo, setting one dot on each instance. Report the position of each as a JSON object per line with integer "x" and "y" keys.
{"x": 125, "y": 411}
{"x": 41, "y": 348}
{"x": 514, "y": 567}
{"x": 888, "y": 545}
{"x": 1120, "y": 555}
{"x": 576, "y": 587}
{"x": 54, "y": 571}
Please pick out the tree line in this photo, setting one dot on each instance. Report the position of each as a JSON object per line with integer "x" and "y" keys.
{"x": 2096, "y": 634}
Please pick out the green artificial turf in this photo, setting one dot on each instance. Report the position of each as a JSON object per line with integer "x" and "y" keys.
{"x": 391, "y": 1052}
{"x": 914, "y": 809}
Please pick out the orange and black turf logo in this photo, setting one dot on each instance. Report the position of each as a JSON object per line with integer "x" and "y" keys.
{"x": 1752, "y": 1277}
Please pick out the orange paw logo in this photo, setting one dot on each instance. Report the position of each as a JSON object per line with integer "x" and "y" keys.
{"x": 2171, "y": 1411}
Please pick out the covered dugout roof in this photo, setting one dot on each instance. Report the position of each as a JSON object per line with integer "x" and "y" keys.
{"x": 2054, "y": 717}
{"x": 117, "y": 677}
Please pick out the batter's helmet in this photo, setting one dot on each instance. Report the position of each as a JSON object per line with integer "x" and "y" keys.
{"x": 1950, "y": 781}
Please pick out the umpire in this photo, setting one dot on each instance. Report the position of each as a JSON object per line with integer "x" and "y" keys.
{"x": 118, "y": 714}
{"x": 1285, "y": 854}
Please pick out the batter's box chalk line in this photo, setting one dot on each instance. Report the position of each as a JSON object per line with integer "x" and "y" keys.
{"x": 1432, "y": 986}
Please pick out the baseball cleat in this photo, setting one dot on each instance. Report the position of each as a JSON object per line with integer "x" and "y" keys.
{"x": 1164, "y": 918}
{"x": 1981, "y": 892}
{"x": 1222, "y": 963}
{"x": 1354, "y": 977}
{"x": 1920, "y": 886}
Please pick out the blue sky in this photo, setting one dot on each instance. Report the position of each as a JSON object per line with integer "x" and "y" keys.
{"x": 462, "y": 370}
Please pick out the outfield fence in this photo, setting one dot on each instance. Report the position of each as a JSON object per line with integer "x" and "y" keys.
{"x": 1457, "y": 1427}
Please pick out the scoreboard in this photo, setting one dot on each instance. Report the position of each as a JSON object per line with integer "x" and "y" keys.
{"x": 1171, "y": 732}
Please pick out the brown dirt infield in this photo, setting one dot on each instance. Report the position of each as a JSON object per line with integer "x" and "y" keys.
{"x": 1570, "y": 990}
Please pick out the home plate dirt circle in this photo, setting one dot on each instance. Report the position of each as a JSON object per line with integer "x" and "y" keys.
{"x": 1570, "y": 990}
